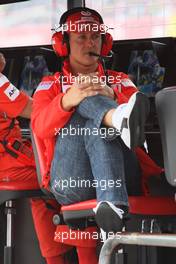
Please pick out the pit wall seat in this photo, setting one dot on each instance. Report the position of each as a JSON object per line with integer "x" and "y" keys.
{"x": 83, "y": 211}
{"x": 166, "y": 109}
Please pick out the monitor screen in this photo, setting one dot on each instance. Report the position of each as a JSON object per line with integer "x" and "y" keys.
{"x": 145, "y": 71}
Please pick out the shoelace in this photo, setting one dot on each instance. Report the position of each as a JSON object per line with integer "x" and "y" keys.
{"x": 118, "y": 211}
{"x": 146, "y": 146}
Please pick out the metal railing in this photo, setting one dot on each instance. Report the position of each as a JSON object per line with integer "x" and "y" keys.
{"x": 142, "y": 239}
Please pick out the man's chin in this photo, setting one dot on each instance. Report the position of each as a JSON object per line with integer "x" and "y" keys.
{"x": 88, "y": 60}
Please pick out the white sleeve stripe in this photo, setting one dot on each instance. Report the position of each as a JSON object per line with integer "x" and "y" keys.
{"x": 45, "y": 85}
{"x": 127, "y": 82}
{"x": 3, "y": 79}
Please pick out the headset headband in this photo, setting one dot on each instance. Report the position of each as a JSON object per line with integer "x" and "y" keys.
{"x": 72, "y": 11}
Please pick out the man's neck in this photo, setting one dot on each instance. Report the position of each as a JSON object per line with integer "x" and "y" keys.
{"x": 77, "y": 67}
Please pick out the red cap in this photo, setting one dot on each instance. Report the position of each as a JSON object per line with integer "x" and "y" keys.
{"x": 83, "y": 21}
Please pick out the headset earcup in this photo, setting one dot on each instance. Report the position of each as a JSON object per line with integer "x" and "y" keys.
{"x": 59, "y": 46}
{"x": 107, "y": 44}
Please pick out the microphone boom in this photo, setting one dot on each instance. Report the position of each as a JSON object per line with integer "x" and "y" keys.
{"x": 98, "y": 55}
{"x": 94, "y": 54}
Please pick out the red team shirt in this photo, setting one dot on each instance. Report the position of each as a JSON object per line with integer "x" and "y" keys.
{"x": 48, "y": 114}
{"x": 12, "y": 103}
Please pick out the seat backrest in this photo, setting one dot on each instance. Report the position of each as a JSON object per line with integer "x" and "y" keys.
{"x": 166, "y": 110}
{"x": 40, "y": 160}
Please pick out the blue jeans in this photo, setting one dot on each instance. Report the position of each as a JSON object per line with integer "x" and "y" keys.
{"x": 87, "y": 162}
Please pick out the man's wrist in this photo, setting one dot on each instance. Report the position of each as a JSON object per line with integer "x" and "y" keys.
{"x": 65, "y": 105}
{"x": 113, "y": 94}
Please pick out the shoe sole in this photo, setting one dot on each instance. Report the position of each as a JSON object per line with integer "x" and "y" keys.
{"x": 107, "y": 219}
{"x": 136, "y": 121}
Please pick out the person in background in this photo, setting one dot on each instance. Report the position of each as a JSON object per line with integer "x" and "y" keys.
{"x": 21, "y": 171}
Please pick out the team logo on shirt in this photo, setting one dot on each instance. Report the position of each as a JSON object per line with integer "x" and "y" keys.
{"x": 12, "y": 92}
{"x": 86, "y": 13}
{"x": 45, "y": 85}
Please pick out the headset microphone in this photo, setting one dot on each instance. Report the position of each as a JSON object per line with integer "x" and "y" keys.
{"x": 100, "y": 56}
{"x": 94, "y": 54}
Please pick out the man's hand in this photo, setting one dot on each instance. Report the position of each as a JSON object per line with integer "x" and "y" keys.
{"x": 84, "y": 86}
{"x": 77, "y": 93}
{"x": 93, "y": 77}
{"x": 2, "y": 62}
{"x": 107, "y": 91}
{"x": 26, "y": 113}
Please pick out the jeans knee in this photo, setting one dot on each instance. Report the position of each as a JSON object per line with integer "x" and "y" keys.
{"x": 69, "y": 195}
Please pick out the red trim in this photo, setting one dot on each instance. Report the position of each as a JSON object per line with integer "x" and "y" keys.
{"x": 138, "y": 205}
{"x": 90, "y": 204}
{"x": 152, "y": 205}
{"x": 19, "y": 186}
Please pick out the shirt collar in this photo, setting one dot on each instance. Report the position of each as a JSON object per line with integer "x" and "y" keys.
{"x": 70, "y": 77}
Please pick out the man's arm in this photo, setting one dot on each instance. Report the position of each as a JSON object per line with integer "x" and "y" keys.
{"x": 26, "y": 112}
{"x": 124, "y": 88}
{"x": 48, "y": 114}
{"x": 12, "y": 101}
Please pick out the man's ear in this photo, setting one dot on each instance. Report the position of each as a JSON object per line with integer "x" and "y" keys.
{"x": 60, "y": 44}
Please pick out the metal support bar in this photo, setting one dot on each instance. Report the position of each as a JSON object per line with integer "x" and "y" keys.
{"x": 160, "y": 240}
{"x": 9, "y": 205}
{"x": 10, "y": 211}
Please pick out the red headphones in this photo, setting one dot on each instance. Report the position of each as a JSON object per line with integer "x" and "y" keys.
{"x": 60, "y": 40}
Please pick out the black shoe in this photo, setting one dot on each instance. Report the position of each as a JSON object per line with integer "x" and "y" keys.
{"x": 109, "y": 217}
{"x": 137, "y": 120}
{"x": 130, "y": 121}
